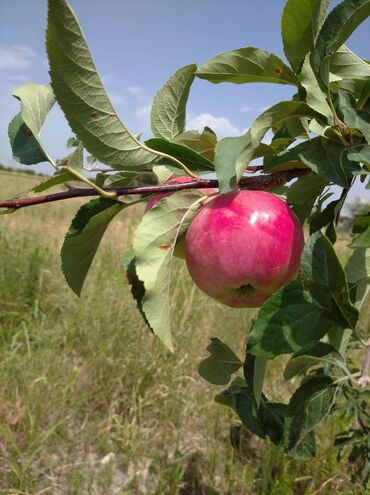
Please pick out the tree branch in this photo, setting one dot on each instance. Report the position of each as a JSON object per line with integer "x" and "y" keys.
{"x": 260, "y": 182}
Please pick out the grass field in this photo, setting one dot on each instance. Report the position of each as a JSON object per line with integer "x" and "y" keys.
{"x": 91, "y": 402}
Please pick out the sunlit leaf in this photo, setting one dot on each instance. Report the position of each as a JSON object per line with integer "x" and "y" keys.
{"x": 24, "y": 130}
{"x": 154, "y": 242}
{"x": 338, "y": 26}
{"x": 169, "y": 104}
{"x": 246, "y": 65}
{"x": 300, "y": 24}
{"x": 82, "y": 97}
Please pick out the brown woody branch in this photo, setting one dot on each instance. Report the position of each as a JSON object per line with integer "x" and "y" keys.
{"x": 260, "y": 182}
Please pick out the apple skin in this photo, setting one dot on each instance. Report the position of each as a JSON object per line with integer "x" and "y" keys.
{"x": 179, "y": 250}
{"x": 243, "y": 246}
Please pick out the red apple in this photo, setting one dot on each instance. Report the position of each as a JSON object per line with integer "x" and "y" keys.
{"x": 179, "y": 250}
{"x": 243, "y": 246}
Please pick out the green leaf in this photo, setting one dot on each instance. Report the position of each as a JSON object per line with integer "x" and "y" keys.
{"x": 327, "y": 216}
{"x": 169, "y": 104}
{"x": 83, "y": 238}
{"x": 358, "y": 274}
{"x": 361, "y": 155}
{"x": 234, "y": 154}
{"x": 363, "y": 240}
{"x": 246, "y": 65}
{"x": 328, "y": 159}
{"x": 137, "y": 286}
{"x": 286, "y": 323}
{"x": 81, "y": 95}
{"x": 300, "y": 24}
{"x": 154, "y": 242}
{"x": 306, "y": 188}
{"x": 193, "y": 160}
{"x": 338, "y": 26}
{"x": 228, "y": 396}
{"x": 25, "y": 146}
{"x": 254, "y": 369}
{"x": 361, "y": 223}
{"x": 60, "y": 177}
{"x": 72, "y": 142}
{"x": 24, "y": 131}
{"x": 129, "y": 177}
{"x": 325, "y": 278}
{"x": 353, "y": 118}
{"x": 246, "y": 408}
{"x": 220, "y": 365}
{"x": 312, "y": 355}
{"x": 344, "y": 64}
{"x": 308, "y": 406}
{"x": 203, "y": 143}
{"x": 315, "y": 98}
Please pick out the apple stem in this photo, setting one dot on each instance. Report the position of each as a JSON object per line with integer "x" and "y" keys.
{"x": 257, "y": 183}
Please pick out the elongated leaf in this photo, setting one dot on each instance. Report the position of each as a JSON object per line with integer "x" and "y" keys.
{"x": 220, "y": 365}
{"x": 353, "y": 118}
{"x": 203, "y": 143}
{"x": 169, "y": 104}
{"x": 81, "y": 95}
{"x": 234, "y": 154}
{"x": 154, "y": 242}
{"x": 60, "y": 177}
{"x": 300, "y": 24}
{"x": 326, "y": 280}
{"x": 130, "y": 177}
{"x": 25, "y": 146}
{"x": 338, "y": 26}
{"x": 358, "y": 274}
{"x": 137, "y": 286}
{"x": 309, "y": 405}
{"x": 24, "y": 131}
{"x": 193, "y": 160}
{"x": 246, "y": 65}
{"x": 361, "y": 155}
{"x": 363, "y": 240}
{"x": 254, "y": 369}
{"x": 317, "y": 353}
{"x": 324, "y": 157}
{"x": 315, "y": 98}
{"x": 344, "y": 64}
{"x": 83, "y": 238}
{"x": 305, "y": 189}
{"x": 286, "y": 322}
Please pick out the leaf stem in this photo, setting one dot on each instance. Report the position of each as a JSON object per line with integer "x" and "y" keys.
{"x": 172, "y": 158}
{"x": 102, "y": 192}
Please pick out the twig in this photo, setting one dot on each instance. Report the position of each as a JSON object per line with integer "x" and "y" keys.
{"x": 260, "y": 182}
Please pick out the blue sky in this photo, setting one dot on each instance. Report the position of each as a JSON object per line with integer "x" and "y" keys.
{"x": 137, "y": 45}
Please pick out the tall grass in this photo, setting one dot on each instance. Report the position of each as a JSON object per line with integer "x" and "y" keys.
{"x": 91, "y": 402}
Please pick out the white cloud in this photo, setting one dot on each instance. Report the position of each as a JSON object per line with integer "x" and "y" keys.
{"x": 134, "y": 90}
{"x": 116, "y": 98}
{"x": 221, "y": 125}
{"x": 109, "y": 78}
{"x": 143, "y": 112}
{"x": 246, "y": 108}
{"x": 16, "y": 58}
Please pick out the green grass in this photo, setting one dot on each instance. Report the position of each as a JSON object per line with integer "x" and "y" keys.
{"x": 91, "y": 402}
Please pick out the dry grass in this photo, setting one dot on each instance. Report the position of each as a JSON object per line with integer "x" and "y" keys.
{"x": 90, "y": 401}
